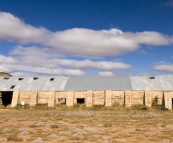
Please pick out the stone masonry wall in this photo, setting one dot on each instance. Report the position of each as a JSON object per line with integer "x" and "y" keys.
{"x": 107, "y": 98}
{"x": 98, "y": 97}
{"x": 79, "y": 94}
{"x": 118, "y": 97}
{"x": 24, "y": 96}
{"x": 151, "y": 95}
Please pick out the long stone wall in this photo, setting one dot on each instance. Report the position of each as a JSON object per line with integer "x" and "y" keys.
{"x": 90, "y": 98}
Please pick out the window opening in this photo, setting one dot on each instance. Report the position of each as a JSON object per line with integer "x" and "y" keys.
{"x": 152, "y": 77}
{"x": 80, "y": 100}
{"x": 35, "y": 78}
{"x": 6, "y": 97}
{"x": 6, "y": 78}
{"x": 20, "y": 78}
{"x": 51, "y": 79}
{"x": 12, "y": 87}
{"x": 61, "y": 100}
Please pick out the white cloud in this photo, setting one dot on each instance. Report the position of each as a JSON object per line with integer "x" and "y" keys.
{"x": 7, "y": 60}
{"x": 144, "y": 74}
{"x": 106, "y": 74}
{"x": 41, "y": 70}
{"x": 42, "y": 57}
{"x": 13, "y": 29}
{"x": 163, "y": 67}
{"x": 79, "y": 41}
{"x": 40, "y": 61}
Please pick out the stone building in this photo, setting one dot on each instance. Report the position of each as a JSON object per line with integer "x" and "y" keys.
{"x": 123, "y": 90}
{"x": 4, "y": 74}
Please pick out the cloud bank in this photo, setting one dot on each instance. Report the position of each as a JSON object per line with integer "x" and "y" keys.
{"x": 163, "y": 67}
{"x": 55, "y": 47}
{"x": 79, "y": 41}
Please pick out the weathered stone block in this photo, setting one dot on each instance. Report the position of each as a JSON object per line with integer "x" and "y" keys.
{"x": 89, "y": 98}
{"x": 70, "y": 98}
{"x": 108, "y": 98}
{"x": 168, "y": 96}
{"x": 128, "y": 97}
{"x": 137, "y": 97}
{"x": 151, "y": 95}
{"x": 33, "y": 100}
{"x": 118, "y": 97}
{"x": 43, "y": 97}
{"x": 51, "y": 100}
{"x": 79, "y": 94}
{"x": 15, "y": 98}
{"x": 24, "y": 96}
{"x": 60, "y": 95}
{"x": 98, "y": 97}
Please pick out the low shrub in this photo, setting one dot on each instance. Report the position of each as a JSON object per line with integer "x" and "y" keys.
{"x": 2, "y": 107}
{"x": 98, "y": 107}
{"x": 159, "y": 107}
{"x": 19, "y": 106}
{"x": 41, "y": 106}
{"x": 13, "y": 137}
{"x": 139, "y": 107}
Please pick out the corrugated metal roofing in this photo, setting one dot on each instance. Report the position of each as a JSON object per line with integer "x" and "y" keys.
{"x": 99, "y": 83}
{"x": 86, "y": 83}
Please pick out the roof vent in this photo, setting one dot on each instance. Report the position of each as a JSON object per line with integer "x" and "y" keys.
{"x": 12, "y": 87}
{"x": 35, "y": 78}
{"x": 6, "y": 78}
{"x": 20, "y": 78}
{"x": 51, "y": 79}
{"x": 152, "y": 77}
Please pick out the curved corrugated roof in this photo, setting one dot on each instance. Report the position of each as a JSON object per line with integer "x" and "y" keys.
{"x": 99, "y": 83}
{"x": 86, "y": 83}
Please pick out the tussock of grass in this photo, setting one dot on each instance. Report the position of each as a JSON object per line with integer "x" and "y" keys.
{"x": 139, "y": 107}
{"x": 19, "y": 106}
{"x": 13, "y": 137}
{"x": 2, "y": 107}
{"x": 98, "y": 107}
{"x": 159, "y": 107}
{"x": 41, "y": 106}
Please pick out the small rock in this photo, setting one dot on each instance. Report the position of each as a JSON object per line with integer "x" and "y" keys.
{"x": 3, "y": 139}
{"x": 61, "y": 133}
{"x": 53, "y": 136}
{"x": 132, "y": 129}
{"x": 92, "y": 130}
{"x": 100, "y": 125}
{"x": 149, "y": 134}
{"x": 54, "y": 126}
{"x": 33, "y": 126}
{"x": 24, "y": 133}
{"x": 31, "y": 131}
{"x": 105, "y": 137}
{"x": 78, "y": 136}
{"x": 21, "y": 129}
{"x": 7, "y": 130}
{"x": 165, "y": 141}
{"x": 96, "y": 136}
{"x": 39, "y": 140}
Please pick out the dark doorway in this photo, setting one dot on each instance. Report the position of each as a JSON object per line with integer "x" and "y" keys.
{"x": 172, "y": 103}
{"x": 80, "y": 100}
{"x": 6, "y": 97}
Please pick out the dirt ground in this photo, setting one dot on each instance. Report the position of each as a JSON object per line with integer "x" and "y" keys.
{"x": 90, "y": 126}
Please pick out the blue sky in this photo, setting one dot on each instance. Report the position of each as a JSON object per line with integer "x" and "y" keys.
{"x": 86, "y": 37}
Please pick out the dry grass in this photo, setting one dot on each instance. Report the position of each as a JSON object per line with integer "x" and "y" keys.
{"x": 81, "y": 124}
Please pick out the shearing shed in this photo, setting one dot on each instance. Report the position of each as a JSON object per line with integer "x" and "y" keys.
{"x": 123, "y": 90}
